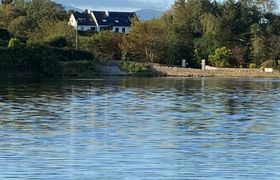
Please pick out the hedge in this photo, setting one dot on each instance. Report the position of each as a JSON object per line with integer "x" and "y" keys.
{"x": 38, "y": 59}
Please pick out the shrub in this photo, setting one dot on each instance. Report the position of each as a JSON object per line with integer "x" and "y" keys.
{"x": 49, "y": 63}
{"x": 268, "y": 64}
{"x": 79, "y": 68}
{"x": 134, "y": 67}
{"x": 14, "y": 43}
{"x": 252, "y": 66}
{"x": 4, "y": 34}
{"x": 58, "y": 41}
{"x": 3, "y": 43}
{"x": 42, "y": 60}
{"x": 73, "y": 55}
{"x": 36, "y": 59}
{"x": 221, "y": 57}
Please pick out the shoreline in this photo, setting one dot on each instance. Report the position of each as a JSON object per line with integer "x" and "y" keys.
{"x": 113, "y": 68}
{"x": 168, "y": 71}
{"x": 157, "y": 70}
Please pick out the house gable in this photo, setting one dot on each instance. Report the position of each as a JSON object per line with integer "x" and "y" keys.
{"x": 84, "y": 19}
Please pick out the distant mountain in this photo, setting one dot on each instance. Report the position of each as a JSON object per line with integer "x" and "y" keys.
{"x": 68, "y": 8}
{"x": 148, "y": 14}
{"x": 143, "y": 14}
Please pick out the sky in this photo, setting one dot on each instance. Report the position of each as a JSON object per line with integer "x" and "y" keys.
{"x": 127, "y": 5}
{"x": 131, "y": 5}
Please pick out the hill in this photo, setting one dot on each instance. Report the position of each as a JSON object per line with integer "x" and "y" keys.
{"x": 148, "y": 14}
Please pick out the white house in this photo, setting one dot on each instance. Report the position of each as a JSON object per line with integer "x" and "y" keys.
{"x": 96, "y": 21}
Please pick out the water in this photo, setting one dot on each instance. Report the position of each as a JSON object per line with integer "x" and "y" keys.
{"x": 140, "y": 128}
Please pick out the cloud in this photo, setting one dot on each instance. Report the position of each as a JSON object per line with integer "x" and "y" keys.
{"x": 117, "y": 5}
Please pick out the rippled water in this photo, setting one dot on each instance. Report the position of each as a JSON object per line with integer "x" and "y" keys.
{"x": 140, "y": 128}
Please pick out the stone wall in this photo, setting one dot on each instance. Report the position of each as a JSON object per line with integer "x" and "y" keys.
{"x": 255, "y": 70}
{"x": 214, "y": 72}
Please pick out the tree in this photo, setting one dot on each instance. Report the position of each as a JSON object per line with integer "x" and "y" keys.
{"x": 221, "y": 58}
{"x": 42, "y": 10}
{"x": 10, "y": 13}
{"x": 180, "y": 35}
{"x": 105, "y": 45}
{"x": 266, "y": 5}
{"x": 274, "y": 23}
{"x": 274, "y": 48}
{"x": 239, "y": 54}
{"x": 145, "y": 42}
{"x": 22, "y": 26}
{"x": 47, "y": 30}
{"x": 258, "y": 44}
{"x": 195, "y": 10}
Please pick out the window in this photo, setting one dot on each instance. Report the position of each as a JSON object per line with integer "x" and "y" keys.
{"x": 123, "y": 30}
{"x": 81, "y": 19}
{"x": 117, "y": 30}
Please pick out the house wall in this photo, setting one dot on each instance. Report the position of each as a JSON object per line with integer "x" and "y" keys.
{"x": 120, "y": 28}
{"x": 72, "y": 21}
{"x": 101, "y": 28}
{"x": 85, "y": 28}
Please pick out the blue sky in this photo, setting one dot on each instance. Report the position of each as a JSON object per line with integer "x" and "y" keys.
{"x": 121, "y": 4}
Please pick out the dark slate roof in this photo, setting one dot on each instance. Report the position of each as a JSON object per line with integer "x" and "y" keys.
{"x": 114, "y": 18}
{"x": 84, "y": 19}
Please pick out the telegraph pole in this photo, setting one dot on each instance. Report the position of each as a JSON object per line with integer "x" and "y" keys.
{"x": 77, "y": 34}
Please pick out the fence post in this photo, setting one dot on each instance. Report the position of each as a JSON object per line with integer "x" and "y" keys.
{"x": 184, "y": 63}
{"x": 203, "y": 64}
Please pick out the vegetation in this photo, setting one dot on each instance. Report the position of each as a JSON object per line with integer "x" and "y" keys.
{"x": 80, "y": 68}
{"x": 228, "y": 34}
{"x": 252, "y": 66}
{"x": 105, "y": 45}
{"x": 221, "y": 58}
{"x": 40, "y": 60}
{"x": 145, "y": 42}
{"x": 134, "y": 67}
{"x": 35, "y": 36}
{"x": 14, "y": 43}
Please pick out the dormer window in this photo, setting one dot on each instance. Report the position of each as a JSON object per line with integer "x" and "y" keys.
{"x": 117, "y": 21}
{"x": 81, "y": 19}
{"x": 104, "y": 20}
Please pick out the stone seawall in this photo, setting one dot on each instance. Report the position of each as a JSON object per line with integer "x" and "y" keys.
{"x": 218, "y": 72}
{"x": 252, "y": 70}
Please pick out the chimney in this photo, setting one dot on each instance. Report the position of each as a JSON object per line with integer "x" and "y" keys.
{"x": 87, "y": 11}
{"x": 107, "y": 13}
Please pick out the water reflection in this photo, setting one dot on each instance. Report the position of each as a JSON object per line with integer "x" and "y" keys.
{"x": 140, "y": 128}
